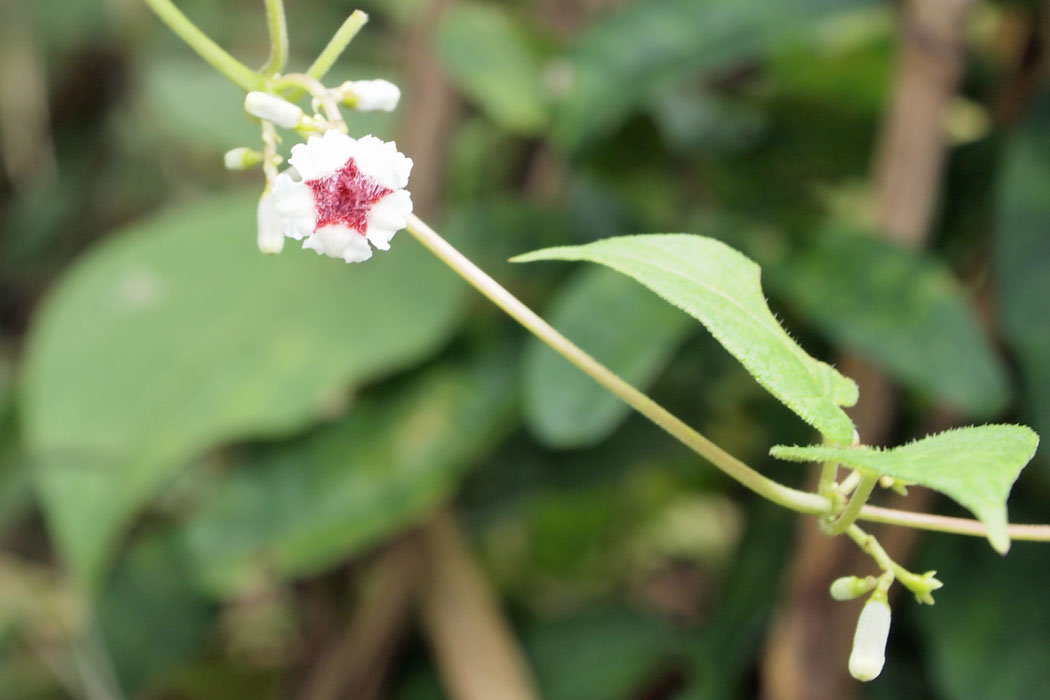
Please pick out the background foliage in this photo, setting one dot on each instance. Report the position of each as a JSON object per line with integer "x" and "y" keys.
{"x": 215, "y": 446}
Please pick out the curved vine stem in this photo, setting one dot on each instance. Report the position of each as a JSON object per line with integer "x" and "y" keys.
{"x": 801, "y": 501}
{"x": 278, "y": 28}
{"x": 243, "y": 76}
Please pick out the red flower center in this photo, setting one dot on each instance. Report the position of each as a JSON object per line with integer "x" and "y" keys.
{"x": 345, "y": 197}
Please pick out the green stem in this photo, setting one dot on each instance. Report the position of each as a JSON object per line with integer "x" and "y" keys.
{"x": 871, "y": 546}
{"x": 278, "y": 27}
{"x": 776, "y": 492}
{"x": 856, "y": 502}
{"x": 337, "y": 44}
{"x": 829, "y": 471}
{"x": 240, "y": 74}
{"x": 801, "y": 501}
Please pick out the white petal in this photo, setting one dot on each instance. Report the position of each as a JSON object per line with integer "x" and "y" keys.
{"x": 375, "y": 95}
{"x": 339, "y": 241}
{"x": 388, "y": 216}
{"x": 294, "y": 204}
{"x": 381, "y": 161}
{"x": 869, "y": 641}
{"x": 270, "y": 237}
{"x": 272, "y": 109}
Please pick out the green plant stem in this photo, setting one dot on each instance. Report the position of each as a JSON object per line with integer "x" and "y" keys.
{"x": 955, "y": 526}
{"x": 278, "y": 28}
{"x": 240, "y": 74}
{"x": 778, "y": 493}
{"x": 801, "y": 501}
{"x": 829, "y": 471}
{"x": 856, "y": 502}
{"x": 871, "y": 546}
{"x": 337, "y": 44}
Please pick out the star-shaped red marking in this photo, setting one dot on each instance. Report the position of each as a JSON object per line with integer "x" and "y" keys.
{"x": 346, "y": 197}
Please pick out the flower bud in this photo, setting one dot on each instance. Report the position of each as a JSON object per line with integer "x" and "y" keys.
{"x": 273, "y": 109}
{"x": 371, "y": 95}
{"x": 271, "y": 232}
{"x": 869, "y": 641}
{"x": 850, "y": 587}
{"x": 241, "y": 158}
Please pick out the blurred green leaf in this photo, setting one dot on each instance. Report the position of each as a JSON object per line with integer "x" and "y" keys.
{"x": 720, "y": 288}
{"x": 151, "y": 620}
{"x": 563, "y": 406}
{"x": 178, "y": 336}
{"x": 625, "y": 59}
{"x": 597, "y": 654}
{"x": 976, "y": 466}
{"x": 493, "y": 61}
{"x": 298, "y": 508}
{"x": 190, "y": 101}
{"x": 986, "y": 639}
{"x": 1022, "y": 258}
{"x": 902, "y": 310}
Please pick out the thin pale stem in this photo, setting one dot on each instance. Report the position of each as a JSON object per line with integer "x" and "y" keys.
{"x": 778, "y": 493}
{"x": 849, "y": 514}
{"x": 240, "y": 74}
{"x": 801, "y": 501}
{"x": 337, "y": 44}
{"x": 871, "y": 546}
{"x": 956, "y": 526}
{"x": 829, "y": 471}
{"x": 278, "y": 28}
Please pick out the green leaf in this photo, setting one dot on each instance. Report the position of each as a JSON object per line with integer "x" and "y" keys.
{"x": 494, "y": 62}
{"x": 720, "y": 288}
{"x": 976, "y": 466}
{"x": 298, "y": 508}
{"x": 902, "y": 310}
{"x": 178, "y": 336}
{"x": 1022, "y": 258}
{"x": 563, "y": 406}
{"x": 625, "y": 59}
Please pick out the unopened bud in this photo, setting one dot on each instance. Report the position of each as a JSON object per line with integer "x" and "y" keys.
{"x": 850, "y": 587}
{"x": 273, "y": 109}
{"x": 869, "y": 641}
{"x": 271, "y": 231}
{"x": 241, "y": 158}
{"x": 370, "y": 95}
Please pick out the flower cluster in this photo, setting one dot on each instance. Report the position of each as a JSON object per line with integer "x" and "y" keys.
{"x": 341, "y": 196}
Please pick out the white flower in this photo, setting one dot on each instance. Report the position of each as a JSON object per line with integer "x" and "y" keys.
{"x": 273, "y": 109}
{"x": 270, "y": 236}
{"x": 371, "y": 95}
{"x": 350, "y": 193}
{"x": 869, "y": 641}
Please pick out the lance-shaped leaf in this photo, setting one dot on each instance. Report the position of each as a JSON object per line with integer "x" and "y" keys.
{"x": 720, "y": 288}
{"x": 975, "y": 466}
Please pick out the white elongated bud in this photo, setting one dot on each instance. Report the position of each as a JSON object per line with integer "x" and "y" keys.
{"x": 241, "y": 158}
{"x": 869, "y": 641}
{"x": 371, "y": 95}
{"x": 850, "y": 587}
{"x": 273, "y": 109}
{"x": 271, "y": 233}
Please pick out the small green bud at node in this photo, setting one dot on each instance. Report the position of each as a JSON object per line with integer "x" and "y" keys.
{"x": 850, "y": 587}
{"x": 869, "y": 641}
{"x": 273, "y": 109}
{"x": 241, "y": 158}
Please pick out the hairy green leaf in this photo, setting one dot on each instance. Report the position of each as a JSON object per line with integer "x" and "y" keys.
{"x": 179, "y": 335}
{"x": 720, "y": 287}
{"x": 976, "y": 466}
{"x": 903, "y": 311}
{"x": 565, "y": 407}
